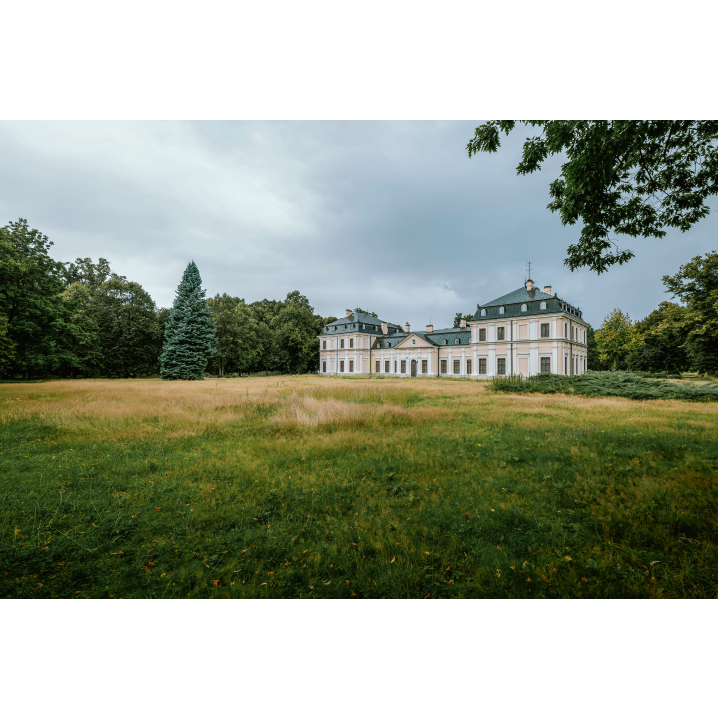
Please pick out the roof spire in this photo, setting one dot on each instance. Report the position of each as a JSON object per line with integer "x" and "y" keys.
{"x": 528, "y": 265}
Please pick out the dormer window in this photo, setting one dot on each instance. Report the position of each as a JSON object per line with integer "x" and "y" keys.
{"x": 456, "y": 341}
{"x": 524, "y": 308}
{"x": 543, "y": 305}
{"x": 446, "y": 341}
{"x": 483, "y": 312}
{"x": 501, "y": 310}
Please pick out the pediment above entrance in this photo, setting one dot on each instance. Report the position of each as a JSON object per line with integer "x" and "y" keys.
{"x": 414, "y": 341}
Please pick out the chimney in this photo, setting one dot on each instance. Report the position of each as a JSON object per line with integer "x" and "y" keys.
{"x": 429, "y": 328}
{"x": 407, "y": 328}
{"x": 529, "y": 285}
{"x": 463, "y": 323}
{"x": 348, "y": 313}
{"x": 547, "y": 290}
{"x": 384, "y": 328}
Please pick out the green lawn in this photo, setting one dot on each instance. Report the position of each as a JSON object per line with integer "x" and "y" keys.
{"x": 314, "y": 487}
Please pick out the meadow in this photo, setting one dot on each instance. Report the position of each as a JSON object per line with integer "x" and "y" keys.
{"x": 310, "y": 487}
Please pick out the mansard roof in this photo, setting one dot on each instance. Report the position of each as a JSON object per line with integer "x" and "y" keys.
{"x": 359, "y": 322}
{"x": 533, "y": 299}
{"x": 518, "y": 296}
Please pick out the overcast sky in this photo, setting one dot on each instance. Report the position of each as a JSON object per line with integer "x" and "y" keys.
{"x": 390, "y": 216}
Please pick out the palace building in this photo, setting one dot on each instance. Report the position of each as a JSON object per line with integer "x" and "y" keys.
{"x": 525, "y": 332}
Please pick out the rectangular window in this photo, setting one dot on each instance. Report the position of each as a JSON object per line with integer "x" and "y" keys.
{"x": 500, "y": 333}
{"x": 545, "y": 365}
{"x": 386, "y": 367}
{"x": 351, "y": 365}
{"x": 424, "y": 366}
{"x": 394, "y": 367}
{"x": 457, "y": 366}
{"x": 482, "y": 335}
{"x": 468, "y": 366}
{"x": 565, "y": 330}
{"x": 482, "y": 366}
{"x": 324, "y": 344}
{"x": 403, "y": 367}
{"x": 341, "y": 366}
{"x": 351, "y": 344}
{"x": 501, "y": 366}
{"x": 341, "y": 345}
{"x": 324, "y": 366}
{"x": 443, "y": 366}
{"x": 544, "y": 330}
{"x": 378, "y": 367}
{"x": 565, "y": 365}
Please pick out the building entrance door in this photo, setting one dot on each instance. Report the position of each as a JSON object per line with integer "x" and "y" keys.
{"x": 413, "y": 367}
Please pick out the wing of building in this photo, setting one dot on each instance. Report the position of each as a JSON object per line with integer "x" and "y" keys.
{"x": 524, "y": 332}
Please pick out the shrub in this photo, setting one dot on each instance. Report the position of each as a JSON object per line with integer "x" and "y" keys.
{"x": 599, "y": 383}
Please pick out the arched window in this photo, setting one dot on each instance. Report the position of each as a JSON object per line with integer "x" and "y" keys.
{"x": 524, "y": 308}
{"x": 446, "y": 341}
{"x": 456, "y": 341}
{"x": 483, "y": 312}
{"x": 501, "y": 310}
{"x": 543, "y": 305}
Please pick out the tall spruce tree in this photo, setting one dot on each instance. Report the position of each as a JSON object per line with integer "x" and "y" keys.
{"x": 190, "y": 334}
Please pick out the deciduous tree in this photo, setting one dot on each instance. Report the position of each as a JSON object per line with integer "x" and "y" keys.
{"x": 31, "y": 289}
{"x": 696, "y": 285}
{"x": 616, "y": 338}
{"x": 630, "y": 178}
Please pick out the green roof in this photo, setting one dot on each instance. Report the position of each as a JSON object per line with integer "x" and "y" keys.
{"x": 517, "y": 297}
{"x": 445, "y": 337}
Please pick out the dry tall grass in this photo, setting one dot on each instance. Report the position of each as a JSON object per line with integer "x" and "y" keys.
{"x": 139, "y": 408}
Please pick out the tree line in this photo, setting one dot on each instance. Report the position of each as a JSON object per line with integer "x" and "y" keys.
{"x": 81, "y": 319}
{"x": 674, "y": 337}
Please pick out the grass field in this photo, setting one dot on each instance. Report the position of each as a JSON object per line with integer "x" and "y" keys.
{"x": 323, "y": 487}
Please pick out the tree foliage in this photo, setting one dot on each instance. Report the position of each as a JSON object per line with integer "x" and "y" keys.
{"x": 31, "y": 289}
{"x": 616, "y": 338}
{"x": 7, "y": 347}
{"x": 632, "y": 178}
{"x": 593, "y": 357}
{"x": 662, "y": 343}
{"x": 237, "y": 334}
{"x": 459, "y": 316}
{"x": 696, "y": 285}
{"x": 190, "y": 334}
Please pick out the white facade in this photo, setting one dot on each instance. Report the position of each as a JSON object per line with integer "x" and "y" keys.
{"x": 539, "y": 333}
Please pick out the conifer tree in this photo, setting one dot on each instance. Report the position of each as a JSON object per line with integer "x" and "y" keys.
{"x": 190, "y": 334}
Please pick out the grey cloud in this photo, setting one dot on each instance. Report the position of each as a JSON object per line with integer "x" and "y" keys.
{"x": 392, "y": 216}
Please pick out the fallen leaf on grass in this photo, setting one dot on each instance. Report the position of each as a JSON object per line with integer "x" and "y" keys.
{"x": 216, "y": 582}
{"x": 392, "y": 561}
